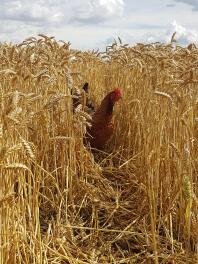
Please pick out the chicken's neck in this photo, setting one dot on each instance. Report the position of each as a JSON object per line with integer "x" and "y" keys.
{"x": 109, "y": 108}
{"x": 104, "y": 113}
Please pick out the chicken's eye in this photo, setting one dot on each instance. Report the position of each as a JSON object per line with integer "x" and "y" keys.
{"x": 116, "y": 97}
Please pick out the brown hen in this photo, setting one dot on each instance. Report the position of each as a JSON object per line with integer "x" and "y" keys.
{"x": 102, "y": 127}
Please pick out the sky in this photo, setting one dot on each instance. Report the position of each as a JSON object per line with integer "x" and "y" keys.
{"x": 93, "y": 24}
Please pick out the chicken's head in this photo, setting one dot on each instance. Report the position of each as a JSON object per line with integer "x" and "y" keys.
{"x": 116, "y": 95}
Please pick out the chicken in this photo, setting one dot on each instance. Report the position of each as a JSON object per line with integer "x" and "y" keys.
{"x": 102, "y": 127}
{"x": 81, "y": 98}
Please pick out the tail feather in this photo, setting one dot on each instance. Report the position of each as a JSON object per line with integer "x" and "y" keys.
{"x": 83, "y": 98}
{"x": 86, "y": 87}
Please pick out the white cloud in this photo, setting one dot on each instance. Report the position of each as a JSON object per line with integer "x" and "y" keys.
{"x": 61, "y": 11}
{"x": 193, "y": 3}
{"x": 63, "y": 19}
{"x": 95, "y": 11}
{"x": 93, "y": 23}
{"x": 184, "y": 35}
{"x": 36, "y": 11}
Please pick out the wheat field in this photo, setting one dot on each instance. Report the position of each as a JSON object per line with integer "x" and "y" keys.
{"x": 134, "y": 202}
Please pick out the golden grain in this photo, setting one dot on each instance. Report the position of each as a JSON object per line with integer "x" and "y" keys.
{"x": 133, "y": 202}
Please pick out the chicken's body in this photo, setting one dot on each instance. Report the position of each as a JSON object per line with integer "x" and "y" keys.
{"x": 102, "y": 127}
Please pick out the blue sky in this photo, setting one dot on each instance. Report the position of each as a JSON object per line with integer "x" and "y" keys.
{"x": 92, "y": 24}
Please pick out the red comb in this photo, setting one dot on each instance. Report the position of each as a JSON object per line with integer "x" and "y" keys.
{"x": 117, "y": 94}
{"x": 117, "y": 90}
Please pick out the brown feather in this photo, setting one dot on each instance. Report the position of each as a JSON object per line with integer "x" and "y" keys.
{"x": 81, "y": 97}
{"x": 102, "y": 128}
